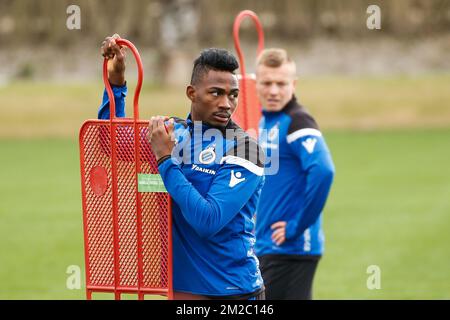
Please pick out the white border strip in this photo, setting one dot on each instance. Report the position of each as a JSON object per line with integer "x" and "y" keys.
{"x": 250, "y": 166}
{"x": 302, "y": 133}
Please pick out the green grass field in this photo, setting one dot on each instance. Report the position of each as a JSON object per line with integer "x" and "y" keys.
{"x": 31, "y": 109}
{"x": 389, "y": 206}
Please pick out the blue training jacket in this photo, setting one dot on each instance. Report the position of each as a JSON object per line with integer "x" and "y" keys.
{"x": 215, "y": 184}
{"x": 298, "y": 191}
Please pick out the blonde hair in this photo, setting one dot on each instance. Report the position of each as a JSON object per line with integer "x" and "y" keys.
{"x": 274, "y": 58}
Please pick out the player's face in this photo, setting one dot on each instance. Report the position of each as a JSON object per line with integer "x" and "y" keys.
{"x": 275, "y": 86}
{"x": 214, "y": 98}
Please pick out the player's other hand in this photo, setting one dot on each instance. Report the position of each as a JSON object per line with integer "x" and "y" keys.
{"x": 116, "y": 59}
{"x": 279, "y": 232}
{"x": 161, "y": 136}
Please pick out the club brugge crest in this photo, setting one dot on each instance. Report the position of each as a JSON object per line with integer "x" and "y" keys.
{"x": 273, "y": 132}
{"x": 207, "y": 156}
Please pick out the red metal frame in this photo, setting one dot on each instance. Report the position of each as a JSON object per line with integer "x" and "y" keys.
{"x": 121, "y": 233}
{"x": 248, "y": 112}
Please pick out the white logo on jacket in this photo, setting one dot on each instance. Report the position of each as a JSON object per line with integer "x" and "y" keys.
{"x": 309, "y": 144}
{"x": 204, "y": 170}
{"x": 207, "y": 156}
{"x": 235, "y": 179}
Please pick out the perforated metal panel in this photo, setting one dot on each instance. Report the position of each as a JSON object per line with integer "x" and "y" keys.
{"x": 127, "y": 233}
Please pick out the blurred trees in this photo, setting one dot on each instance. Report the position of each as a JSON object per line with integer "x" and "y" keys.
{"x": 157, "y": 23}
{"x": 170, "y": 32}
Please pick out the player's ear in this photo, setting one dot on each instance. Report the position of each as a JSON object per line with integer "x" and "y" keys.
{"x": 190, "y": 92}
{"x": 294, "y": 81}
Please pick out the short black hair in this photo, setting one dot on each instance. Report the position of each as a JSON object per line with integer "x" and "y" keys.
{"x": 213, "y": 59}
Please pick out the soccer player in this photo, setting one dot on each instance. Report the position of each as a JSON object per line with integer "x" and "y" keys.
{"x": 214, "y": 182}
{"x": 289, "y": 238}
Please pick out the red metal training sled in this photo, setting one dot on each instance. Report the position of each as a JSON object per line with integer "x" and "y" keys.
{"x": 126, "y": 209}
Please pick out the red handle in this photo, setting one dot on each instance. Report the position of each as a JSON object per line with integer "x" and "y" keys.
{"x": 112, "y": 103}
{"x": 237, "y": 23}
